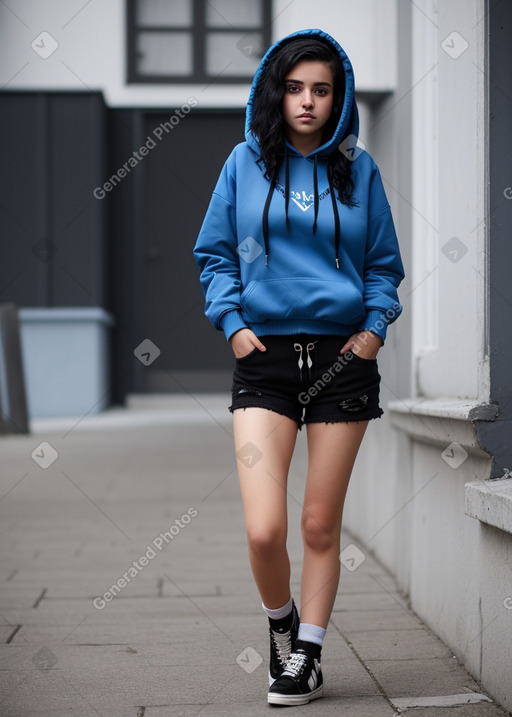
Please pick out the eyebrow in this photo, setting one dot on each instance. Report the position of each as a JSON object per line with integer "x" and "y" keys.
{"x": 315, "y": 84}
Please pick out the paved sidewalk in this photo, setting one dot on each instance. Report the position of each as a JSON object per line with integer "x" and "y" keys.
{"x": 186, "y": 634}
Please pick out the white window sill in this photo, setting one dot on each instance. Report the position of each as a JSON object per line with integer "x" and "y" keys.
{"x": 441, "y": 421}
{"x": 491, "y": 502}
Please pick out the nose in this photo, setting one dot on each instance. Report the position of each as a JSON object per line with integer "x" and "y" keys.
{"x": 307, "y": 98}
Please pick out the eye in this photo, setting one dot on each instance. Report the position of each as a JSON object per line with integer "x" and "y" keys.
{"x": 292, "y": 89}
{"x": 322, "y": 92}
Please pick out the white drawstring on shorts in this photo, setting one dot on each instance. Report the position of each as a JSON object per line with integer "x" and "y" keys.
{"x": 309, "y": 361}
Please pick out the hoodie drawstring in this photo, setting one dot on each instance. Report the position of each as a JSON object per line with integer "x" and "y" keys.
{"x": 337, "y": 233}
{"x": 287, "y": 187}
{"x": 316, "y": 201}
{"x": 315, "y": 190}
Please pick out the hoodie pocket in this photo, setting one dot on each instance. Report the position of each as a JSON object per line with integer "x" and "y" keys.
{"x": 299, "y": 297}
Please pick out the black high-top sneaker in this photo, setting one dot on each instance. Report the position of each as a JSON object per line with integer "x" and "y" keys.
{"x": 301, "y": 680}
{"x": 282, "y": 642}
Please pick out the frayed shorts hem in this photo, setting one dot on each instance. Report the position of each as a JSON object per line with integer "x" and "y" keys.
{"x": 343, "y": 419}
{"x": 288, "y": 414}
{"x": 301, "y": 422}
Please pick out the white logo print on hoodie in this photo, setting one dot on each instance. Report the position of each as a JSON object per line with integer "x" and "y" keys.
{"x": 304, "y": 200}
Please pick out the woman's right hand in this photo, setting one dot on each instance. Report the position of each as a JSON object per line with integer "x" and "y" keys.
{"x": 244, "y": 341}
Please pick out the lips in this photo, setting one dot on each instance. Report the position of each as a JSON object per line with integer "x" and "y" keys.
{"x": 306, "y": 115}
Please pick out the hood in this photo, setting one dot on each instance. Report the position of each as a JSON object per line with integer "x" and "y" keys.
{"x": 349, "y": 119}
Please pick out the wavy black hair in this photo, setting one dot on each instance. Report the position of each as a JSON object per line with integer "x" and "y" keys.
{"x": 267, "y": 117}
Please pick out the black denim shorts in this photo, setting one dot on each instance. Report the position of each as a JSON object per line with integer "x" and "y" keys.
{"x": 306, "y": 378}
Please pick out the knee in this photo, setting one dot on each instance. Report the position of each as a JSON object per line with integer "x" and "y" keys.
{"x": 266, "y": 541}
{"x": 316, "y": 536}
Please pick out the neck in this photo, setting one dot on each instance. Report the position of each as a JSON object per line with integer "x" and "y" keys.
{"x": 304, "y": 144}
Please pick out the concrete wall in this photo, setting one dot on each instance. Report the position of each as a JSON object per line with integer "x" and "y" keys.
{"x": 409, "y": 492}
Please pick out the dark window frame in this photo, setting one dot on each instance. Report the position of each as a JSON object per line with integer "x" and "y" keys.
{"x": 199, "y": 33}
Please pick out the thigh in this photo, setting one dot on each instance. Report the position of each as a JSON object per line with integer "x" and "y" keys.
{"x": 264, "y": 443}
{"x": 332, "y": 450}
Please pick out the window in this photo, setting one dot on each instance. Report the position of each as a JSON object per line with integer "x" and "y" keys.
{"x": 196, "y": 40}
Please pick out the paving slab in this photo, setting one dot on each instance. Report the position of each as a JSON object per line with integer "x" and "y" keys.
{"x": 479, "y": 710}
{"x": 331, "y": 705}
{"x": 422, "y": 677}
{"x": 373, "y": 581}
{"x": 441, "y": 701}
{"x": 368, "y": 620}
{"x": 413, "y": 644}
{"x": 169, "y": 643}
{"x": 371, "y": 601}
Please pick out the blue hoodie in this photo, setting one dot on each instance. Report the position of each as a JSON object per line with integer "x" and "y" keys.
{"x": 291, "y": 258}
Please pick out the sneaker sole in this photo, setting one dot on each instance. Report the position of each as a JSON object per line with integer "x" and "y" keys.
{"x": 274, "y": 698}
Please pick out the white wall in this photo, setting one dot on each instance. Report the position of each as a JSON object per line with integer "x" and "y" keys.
{"x": 366, "y": 30}
{"x": 91, "y": 48}
{"x": 449, "y": 150}
{"x": 406, "y": 503}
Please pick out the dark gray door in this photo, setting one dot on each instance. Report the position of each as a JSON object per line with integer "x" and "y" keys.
{"x": 180, "y": 174}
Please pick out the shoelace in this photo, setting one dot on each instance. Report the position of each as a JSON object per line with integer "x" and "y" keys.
{"x": 283, "y": 644}
{"x": 295, "y": 664}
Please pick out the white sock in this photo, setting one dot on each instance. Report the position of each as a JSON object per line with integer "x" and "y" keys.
{"x": 311, "y": 633}
{"x": 280, "y": 612}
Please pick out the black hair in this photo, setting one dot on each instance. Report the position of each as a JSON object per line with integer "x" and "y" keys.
{"x": 267, "y": 123}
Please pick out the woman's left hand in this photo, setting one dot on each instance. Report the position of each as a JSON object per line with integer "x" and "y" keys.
{"x": 364, "y": 344}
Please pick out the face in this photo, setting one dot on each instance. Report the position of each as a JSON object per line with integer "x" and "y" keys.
{"x": 307, "y": 103}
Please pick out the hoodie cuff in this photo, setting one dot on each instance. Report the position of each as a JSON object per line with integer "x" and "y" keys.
{"x": 232, "y": 321}
{"x": 377, "y": 323}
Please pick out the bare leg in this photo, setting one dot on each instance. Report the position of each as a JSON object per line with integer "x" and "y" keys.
{"x": 332, "y": 450}
{"x": 263, "y": 480}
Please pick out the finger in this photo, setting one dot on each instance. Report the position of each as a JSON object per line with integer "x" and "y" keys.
{"x": 347, "y": 346}
{"x": 256, "y": 343}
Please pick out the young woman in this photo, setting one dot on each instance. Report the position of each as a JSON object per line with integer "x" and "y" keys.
{"x": 299, "y": 265}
